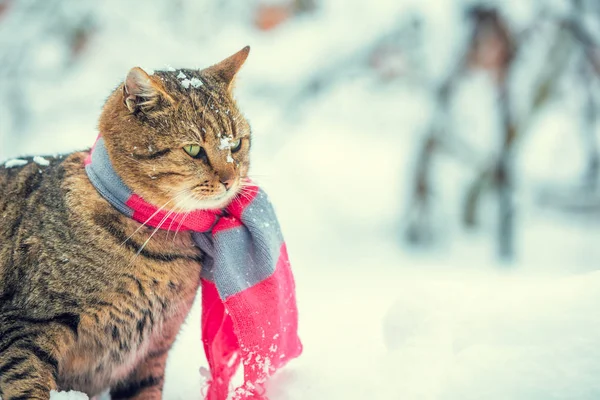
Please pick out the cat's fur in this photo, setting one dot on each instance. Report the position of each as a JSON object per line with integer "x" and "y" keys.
{"x": 84, "y": 305}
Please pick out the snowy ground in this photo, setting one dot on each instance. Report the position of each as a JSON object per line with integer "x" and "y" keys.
{"x": 379, "y": 320}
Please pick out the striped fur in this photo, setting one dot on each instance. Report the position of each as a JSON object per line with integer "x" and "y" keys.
{"x": 87, "y": 300}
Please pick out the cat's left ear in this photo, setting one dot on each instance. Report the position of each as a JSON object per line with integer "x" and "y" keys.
{"x": 140, "y": 92}
{"x": 226, "y": 70}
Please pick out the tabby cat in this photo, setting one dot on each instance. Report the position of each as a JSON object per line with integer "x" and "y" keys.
{"x": 87, "y": 301}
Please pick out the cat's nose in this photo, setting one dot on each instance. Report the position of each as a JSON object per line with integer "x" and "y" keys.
{"x": 228, "y": 183}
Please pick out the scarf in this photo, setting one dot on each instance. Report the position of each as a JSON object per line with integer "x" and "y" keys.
{"x": 249, "y": 313}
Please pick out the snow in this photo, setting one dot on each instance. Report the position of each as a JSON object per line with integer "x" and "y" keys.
{"x": 41, "y": 161}
{"x": 186, "y": 83}
{"x": 196, "y": 82}
{"x": 15, "y": 162}
{"x": 54, "y": 395}
{"x": 225, "y": 142}
{"x": 379, "y": 319}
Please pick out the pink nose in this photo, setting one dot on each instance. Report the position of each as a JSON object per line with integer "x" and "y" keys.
{"x": 227, "y": 183}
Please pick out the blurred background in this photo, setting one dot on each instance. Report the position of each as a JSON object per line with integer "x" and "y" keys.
{"x": 435, "y": 165}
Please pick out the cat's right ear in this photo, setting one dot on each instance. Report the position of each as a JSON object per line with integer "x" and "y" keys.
{"x": 140, "y": 92}
{"x": 226, "y": 70}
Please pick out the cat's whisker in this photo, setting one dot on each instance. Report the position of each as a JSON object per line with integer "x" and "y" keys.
{"x": 134, "y": 160}
{"x": 246, "y": 188}
{"x": 177, "y": 209}
{"x": 180, "y": 225}
{"x": 180, "y": 192}
{"x": 245, "y": 196}
{"x": 146, "y": 222}
{"x": 164, "y": 219}
{"x": 243, "y": 192}
{"x": 159, "y": 225}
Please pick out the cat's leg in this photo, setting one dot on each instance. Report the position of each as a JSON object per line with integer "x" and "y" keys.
{"x": 147, "y": 380}
{"x": 29, "y": 360}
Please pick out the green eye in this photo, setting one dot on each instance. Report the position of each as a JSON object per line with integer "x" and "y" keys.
{"x": 236, "y": 146}
{"x": 193, "y": 150}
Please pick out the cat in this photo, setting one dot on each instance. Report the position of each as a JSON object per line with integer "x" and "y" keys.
{"x": 87, "y": 300}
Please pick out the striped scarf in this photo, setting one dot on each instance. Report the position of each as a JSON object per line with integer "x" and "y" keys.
{"x": 249, "y": 313}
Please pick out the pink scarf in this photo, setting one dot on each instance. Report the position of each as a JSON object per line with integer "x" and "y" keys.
{"x": 249, "y": 313}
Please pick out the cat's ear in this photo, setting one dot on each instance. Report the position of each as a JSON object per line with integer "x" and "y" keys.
{"x": 140, "y": 92}
{"x": 226, "y": 70}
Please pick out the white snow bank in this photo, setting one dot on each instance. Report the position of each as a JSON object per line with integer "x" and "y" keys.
{"x": 496, "y": 339}
{"x": 455, "y": 338}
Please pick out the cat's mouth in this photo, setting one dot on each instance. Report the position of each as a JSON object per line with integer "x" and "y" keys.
{"x": 217, "y": 201}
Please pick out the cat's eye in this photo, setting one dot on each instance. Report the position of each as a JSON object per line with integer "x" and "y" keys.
{"x": 236, "y": 146}
{"x": 193, "y": 150}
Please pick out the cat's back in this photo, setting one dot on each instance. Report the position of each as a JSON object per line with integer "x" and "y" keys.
{"x": 32, "y": 196}
{"x": 17, "y": 172}
{"x": 20, "y": 183}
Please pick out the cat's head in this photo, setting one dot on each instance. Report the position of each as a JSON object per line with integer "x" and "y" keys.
{"x": 177, "y": 138}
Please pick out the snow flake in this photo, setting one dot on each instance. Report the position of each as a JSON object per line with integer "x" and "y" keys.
{"x": 170, "y": 69}
{"x": 185, "y": 83}
{"x": 196, "y": 82}
{"x": 225, "y": 143}
{"x": 181, "y": 75}
{"x": 229, "y": 158}
{"x": 267, "y": 366}
{"x": 17, "y": 162}
{"x": 243, "y": 392}
{"x": 41, "y": 161}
